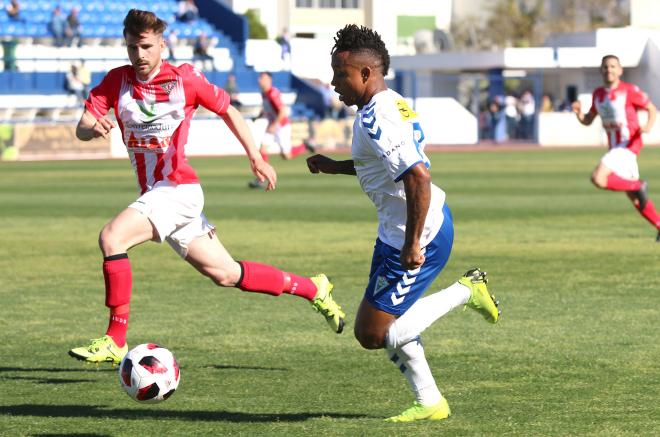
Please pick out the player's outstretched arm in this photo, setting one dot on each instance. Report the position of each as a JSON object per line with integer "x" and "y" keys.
{"x": 585, "y": 119}
{"x": 323, "y": 164}
{"x": 652, "y": 110}
{"x": 261, "y": 169}
{"x": 89, "y": 127}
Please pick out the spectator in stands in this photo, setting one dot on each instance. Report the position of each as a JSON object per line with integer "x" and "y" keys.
{"x": 171, "y": 42}
{"x": 334, "y": 108}
{"x": 14, "y": 10}
{"x": 72, "y": 29}
{"x": 511, "y": 115}
{"x": 232, "y": 89}
{"x": 201, "y": 51}
{"x": 285, "y": 43}
{"x": 547, "y": 103}
{"x": 497, "y": 121}
{"x": 57, "y": 26}
{"x": 75, "y": 85}
{"x": 85, "y": 77}
{"x": 187, "y": 11}
{"x": 527, "y": 112}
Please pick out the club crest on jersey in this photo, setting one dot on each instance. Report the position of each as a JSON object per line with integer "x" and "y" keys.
{"x": 404, "y": 110}
{"x": 168, "y": 86}
{"x": 381, "y": 283}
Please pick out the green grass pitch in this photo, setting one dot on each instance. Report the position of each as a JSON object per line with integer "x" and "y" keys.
{"x": 576, "y": 271}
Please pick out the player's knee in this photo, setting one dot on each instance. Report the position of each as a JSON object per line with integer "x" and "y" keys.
{"x": 222, "y": 278}
{"x": 108, "y": 242}
{"x": 598, "y": 180}
{"x": 369, "y": 339}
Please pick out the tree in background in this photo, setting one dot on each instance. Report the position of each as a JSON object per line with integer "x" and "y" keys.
{"x": 525, "y": 23}
{"x": 257, "y": 29}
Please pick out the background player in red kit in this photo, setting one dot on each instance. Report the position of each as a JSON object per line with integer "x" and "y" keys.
{"x": 617, "y": 103}
{"x": 154, "y": 102}
{"x": 278, "y": 131}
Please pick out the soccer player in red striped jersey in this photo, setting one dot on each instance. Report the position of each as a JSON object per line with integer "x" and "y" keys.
{"x": 278, "y": 131}
{"x": 153, "y": 102}
{"x": 617, "y": 103}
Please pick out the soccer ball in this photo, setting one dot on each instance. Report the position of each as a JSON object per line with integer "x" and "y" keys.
{"x": 149, "y": 373}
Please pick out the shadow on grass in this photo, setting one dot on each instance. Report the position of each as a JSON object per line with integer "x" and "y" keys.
{"x": 39, "y": 380}
{"x": 230, "y": 366}
{"x": 141, "y": 414}
{"x": 88, "y": 368}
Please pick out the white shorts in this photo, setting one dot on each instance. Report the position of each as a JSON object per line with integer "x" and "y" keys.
{"x": 622, "y": 162}
{"x": 281, "y": 138}
{"x": 176, "y": 213}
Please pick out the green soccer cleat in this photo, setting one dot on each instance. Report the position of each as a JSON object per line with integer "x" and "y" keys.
{"x": 480, "y": 299}
{"x": 326, "y": 305}
{"x": 101, "y": 350}
{"x": 418, "y": 411}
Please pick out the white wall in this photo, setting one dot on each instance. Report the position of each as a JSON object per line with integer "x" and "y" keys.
{"x": 445, "y": 121}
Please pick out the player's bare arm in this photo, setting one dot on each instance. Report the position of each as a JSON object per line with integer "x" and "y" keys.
{"x": 417, "y": 184}
{"x": 261, "y": 169}
{"x": 323, "y": 164}
{"x": 90, "y": 127}
{"x": 652, "y": 113}
{"x": 585, "y": 119}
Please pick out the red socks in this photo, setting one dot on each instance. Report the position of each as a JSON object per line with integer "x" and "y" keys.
{"x": 263, "y": 278}
{"x": 263, "y": 154}
{"x": 650, "y": 214}
{"x": 117, "y": 327}
{"x": 297, "y": 150}
{"x": 617, "y": 183}
{"x": 118, "y": 287}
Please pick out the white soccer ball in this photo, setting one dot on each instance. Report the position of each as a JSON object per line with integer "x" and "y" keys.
{"x": 149, "y": 373}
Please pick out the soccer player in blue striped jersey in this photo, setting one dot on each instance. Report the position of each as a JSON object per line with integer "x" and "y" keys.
{"x": 415, "y": 230}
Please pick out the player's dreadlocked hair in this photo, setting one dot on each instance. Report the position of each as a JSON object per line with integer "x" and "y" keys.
{"x": 355, "y": 39}
{"x": 138, "y": 22}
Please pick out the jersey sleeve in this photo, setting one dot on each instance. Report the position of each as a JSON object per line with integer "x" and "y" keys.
{"x": 638, "y": 98}
{"x": 206, "y": 94}
{"x": 395, "y": 141}
{"x": 104, "y": 96}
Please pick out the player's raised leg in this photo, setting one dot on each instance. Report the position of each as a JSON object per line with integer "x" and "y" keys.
{"x": 209, "y": 257}
{"x": 603, "y": 177}
{"x": 129, "y": 228}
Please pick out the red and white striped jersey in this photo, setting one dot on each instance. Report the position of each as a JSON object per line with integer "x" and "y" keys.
{"x": 154, "y": 117}
{"x": 617, "y": 108}
{"x": 273, "y": 105}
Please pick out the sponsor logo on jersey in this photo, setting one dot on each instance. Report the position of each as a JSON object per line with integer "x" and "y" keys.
{"x": 405, "y": 111}
{"x": 149, "y": 144}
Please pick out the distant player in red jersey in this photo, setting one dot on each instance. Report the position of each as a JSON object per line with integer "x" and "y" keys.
{"x": 278, "y": 131}
{"x": 154, "y": 102}
{"x": 617, "y": 103}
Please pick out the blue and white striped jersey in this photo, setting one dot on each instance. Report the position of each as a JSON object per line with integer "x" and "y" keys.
{"x": 387, "y": 142}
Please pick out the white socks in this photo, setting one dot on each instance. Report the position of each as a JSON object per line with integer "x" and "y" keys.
{"x": 404, "y": 346}
{"x": 423, "y": 313}
{"x": 412, "y": 363}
